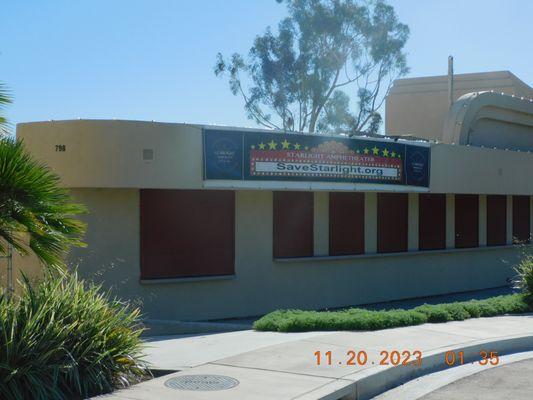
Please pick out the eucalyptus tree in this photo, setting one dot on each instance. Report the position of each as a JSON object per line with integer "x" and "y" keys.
{"x": 324, "y": 55}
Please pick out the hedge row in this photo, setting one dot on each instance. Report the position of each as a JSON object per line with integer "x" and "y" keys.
{"x": 357, "y": 319}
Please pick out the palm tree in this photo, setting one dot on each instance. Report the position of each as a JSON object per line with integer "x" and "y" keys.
{"x": 5, "y": 99}
{"x": 36, "y": 214}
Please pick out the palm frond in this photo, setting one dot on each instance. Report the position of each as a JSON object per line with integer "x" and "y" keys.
{"x": 5, "y": 99}
{"x": 36, "y": 214}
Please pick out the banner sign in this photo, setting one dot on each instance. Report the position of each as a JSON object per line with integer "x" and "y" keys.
{"x": 244, "y": 155}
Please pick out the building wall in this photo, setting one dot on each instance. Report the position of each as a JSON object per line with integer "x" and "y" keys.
{"x": 27, "y": 265}
{"x": 476, "y": 170}
{"x": 419, "y": 106}
{"x": 262, "y": 284}
{"x": 108, "y": 154}
{"x": 103, "y": 165}
{"x": 104, "y": 154}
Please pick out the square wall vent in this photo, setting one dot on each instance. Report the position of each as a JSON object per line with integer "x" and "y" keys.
{"x": 148, "y": 154}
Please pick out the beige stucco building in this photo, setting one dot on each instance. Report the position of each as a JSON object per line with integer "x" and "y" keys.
{"x": 423, "y": 240}
{"x": 419, "y": 106}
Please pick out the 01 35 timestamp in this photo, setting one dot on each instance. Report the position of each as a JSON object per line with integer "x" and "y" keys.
{"x": 453, "y": 358}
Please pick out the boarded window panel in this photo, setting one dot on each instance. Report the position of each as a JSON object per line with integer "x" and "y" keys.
{"x": 293, "y": 224}
{"x": 187, "y": 233}
{"x": 346, "y": 223}
{"x": 432, "y": 221}
{"x": 521, "y": 219}
{"x": 496, "y": 220}
{"x": 392, "y": 222}
{"x": 466, "y": 220}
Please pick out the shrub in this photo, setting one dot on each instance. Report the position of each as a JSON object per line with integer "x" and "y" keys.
{"x": 360, "y": 319}
{"x": 65, "y": 339}
{"x": 445, "y": 312}
{"x": 434, "y": 314}
{"x": 352, "y": 319}
{"x": 472, "y": 308}
{"x": 524, "y": 279}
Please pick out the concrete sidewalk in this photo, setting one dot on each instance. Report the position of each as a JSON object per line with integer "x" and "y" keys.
{"x": 179, "y": 352}
{"x": 283, "y": 366}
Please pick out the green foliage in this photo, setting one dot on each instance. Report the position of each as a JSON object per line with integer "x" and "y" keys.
{"x": 356, "y": 319}
{"x": 524, "y": 279}
{"x": 64, "y": 339}
{"x": 5, "y": 99}
{"x": 36, "y": 214}
{"x": 434, "y": 313}
{"x": 352, "y": 319}
{"x": 323, "y": 50}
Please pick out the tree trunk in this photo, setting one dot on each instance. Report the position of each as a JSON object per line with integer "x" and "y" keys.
{"x": 312, "y": 122}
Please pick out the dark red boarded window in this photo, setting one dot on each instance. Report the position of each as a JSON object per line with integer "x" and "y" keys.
{"x": 187, "y": 233}
{"x": 431, "y": 221}
{"x": 521, "y": 219}
{"x": 466, "y": 220}
{"x": 346, "y": 223}
{"x": 293, "y": 224}
{"x": 496, "y": 220}
{"x": 392, "y": 222}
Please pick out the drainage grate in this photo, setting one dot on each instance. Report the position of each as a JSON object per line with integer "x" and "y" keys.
{"x": 201, "y": 382}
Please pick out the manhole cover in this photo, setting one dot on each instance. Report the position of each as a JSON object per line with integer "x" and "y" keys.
{"x": 201, "y": 382}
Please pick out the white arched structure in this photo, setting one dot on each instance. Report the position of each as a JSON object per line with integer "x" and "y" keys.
{"x": 489, "y": 119}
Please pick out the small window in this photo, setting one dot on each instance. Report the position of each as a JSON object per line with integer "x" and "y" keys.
{"x": 521, "y": 219}
{"x": 293, "y": 224}
{"x": 187, "y": 233}
{"x": 392, "y": 222}
{"x": 496, "y": 220}
{"x": 466, "y": 220}
{"x": 346, "y": 223}
{"x": 431, "y": 221}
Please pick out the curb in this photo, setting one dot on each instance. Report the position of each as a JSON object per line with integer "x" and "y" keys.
{"x": 373, "y": 381}
{"x": 424, "y": 385}
{"x": 161, "y": 327}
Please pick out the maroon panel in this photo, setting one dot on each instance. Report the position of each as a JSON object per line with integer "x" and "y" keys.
{"x": 346, "y": 223}
{"x": 187, "y": 233}
{"x": 521, "y": 219}
{"x": 392, "y": 222}
{"x": 431, "y": 221}
{"x": 293, "y": 224}
{"x": 496, "y": 220}
{"x": 466, "y": 220}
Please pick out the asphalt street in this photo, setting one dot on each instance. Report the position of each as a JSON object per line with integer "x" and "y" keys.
{"x": 512, "y": 381}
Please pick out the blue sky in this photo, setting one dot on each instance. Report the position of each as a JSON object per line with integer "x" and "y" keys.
{"x": 153, "y": 59}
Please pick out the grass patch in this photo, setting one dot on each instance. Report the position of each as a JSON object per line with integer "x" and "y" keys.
{"x": 357, "y": 319}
